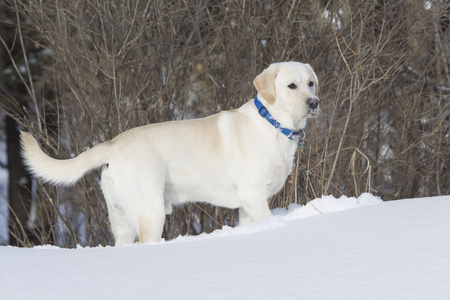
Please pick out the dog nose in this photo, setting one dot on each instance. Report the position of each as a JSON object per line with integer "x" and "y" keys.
{"x": 312, "y": 103}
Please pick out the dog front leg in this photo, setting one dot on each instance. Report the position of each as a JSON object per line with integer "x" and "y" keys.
{"x": 253, "y": 211}
{"x": 244, "y": 217}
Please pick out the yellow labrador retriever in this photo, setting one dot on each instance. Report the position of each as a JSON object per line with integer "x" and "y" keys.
{"x": 234, "y": 159}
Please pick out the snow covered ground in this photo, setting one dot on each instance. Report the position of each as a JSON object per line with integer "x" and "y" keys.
{"x": 352, "y": 249}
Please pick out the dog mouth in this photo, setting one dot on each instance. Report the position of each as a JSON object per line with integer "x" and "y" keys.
{"x": 312, "y": 113}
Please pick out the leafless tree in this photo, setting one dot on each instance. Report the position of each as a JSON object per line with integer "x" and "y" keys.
{"x": 384, "y": 78}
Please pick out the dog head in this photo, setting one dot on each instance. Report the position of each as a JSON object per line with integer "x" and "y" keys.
{"x": 291, "y": 87}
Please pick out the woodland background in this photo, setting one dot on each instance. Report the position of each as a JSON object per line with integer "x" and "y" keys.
{"x": 77, "y": 73}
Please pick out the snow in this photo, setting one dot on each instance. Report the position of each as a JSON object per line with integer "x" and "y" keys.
{"x": 346, "y": 248}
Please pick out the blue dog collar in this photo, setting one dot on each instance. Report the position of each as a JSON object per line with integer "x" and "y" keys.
{"x": 291, "y": 134}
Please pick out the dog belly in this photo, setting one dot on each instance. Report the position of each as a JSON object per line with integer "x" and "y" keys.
{"x": 219, "y": 196}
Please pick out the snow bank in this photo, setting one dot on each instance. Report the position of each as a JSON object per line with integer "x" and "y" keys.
{"x": 325, "y": 205}
{"x": 390, "y": 250}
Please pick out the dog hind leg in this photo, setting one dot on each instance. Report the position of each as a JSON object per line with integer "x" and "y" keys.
{"x": 151, "y": 225}
{"x": 122, "y": 226}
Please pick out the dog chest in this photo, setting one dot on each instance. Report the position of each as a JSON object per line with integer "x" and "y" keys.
{"x": 281, "y": 168}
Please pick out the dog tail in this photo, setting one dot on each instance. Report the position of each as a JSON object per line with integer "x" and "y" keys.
{"x": 60, "y": 172}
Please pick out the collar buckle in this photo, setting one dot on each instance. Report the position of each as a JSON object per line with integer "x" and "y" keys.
{"x": 263, "y": 112}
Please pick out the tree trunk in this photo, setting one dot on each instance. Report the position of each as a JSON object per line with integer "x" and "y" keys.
{"x": 19, "y": 189}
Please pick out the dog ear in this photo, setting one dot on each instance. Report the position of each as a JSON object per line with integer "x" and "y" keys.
{"x": 315, "y": 76}
{"x": 265, "y": 82}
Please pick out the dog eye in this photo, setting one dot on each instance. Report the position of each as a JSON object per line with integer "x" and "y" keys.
{"x": 292, "y": 86}
{"x": 311, "y": 84}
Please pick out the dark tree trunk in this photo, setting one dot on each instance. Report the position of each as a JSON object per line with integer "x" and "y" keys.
{"x": 19, "y": 189}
